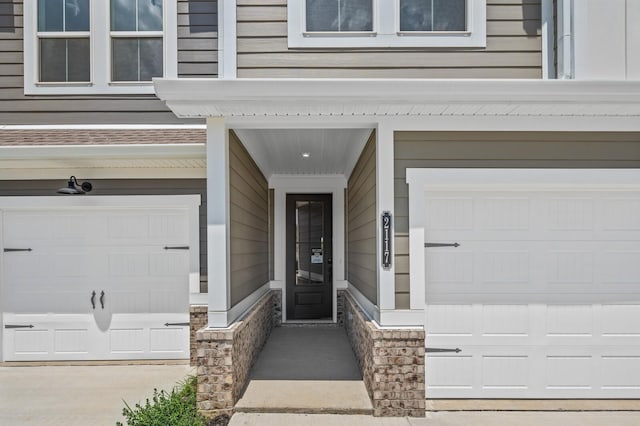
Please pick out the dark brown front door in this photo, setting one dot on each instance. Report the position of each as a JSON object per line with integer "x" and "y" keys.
{"x": 309, "y": 256}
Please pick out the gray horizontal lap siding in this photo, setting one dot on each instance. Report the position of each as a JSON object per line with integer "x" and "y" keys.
{"x": 496, "y": 150}
{"x": 514, "y": 49}
{"x": 249, "y": 223}
{"x": 361, "y": 223}
{"x": 197, "y": 57}
{"x": 14, "y": 188}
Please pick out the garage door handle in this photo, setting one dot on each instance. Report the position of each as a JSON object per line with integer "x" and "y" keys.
{"x": 441, "y": 245}
{"x": 18, "y": 326}
{"x": 11, "y": 250}
{"x": 456, "y": 350}
{"x": 181, "y": 324}
{"x": 176, "y": 247}
{"x": 93, "y": 299}
{"x": 102, "y": 299}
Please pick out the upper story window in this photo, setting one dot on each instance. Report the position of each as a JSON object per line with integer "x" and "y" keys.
{"x": 433, "y": 15}
{"x": 98, "y": 47}
{"x": 339, "y": 15}
{"x": 64, "y": 41}
{"x": 387, "y": 23}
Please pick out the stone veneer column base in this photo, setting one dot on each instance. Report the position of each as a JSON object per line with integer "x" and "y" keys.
{"x": 391, "y": 361}
{"x": 225, "y": 357}
{"x": 198, "y": 318}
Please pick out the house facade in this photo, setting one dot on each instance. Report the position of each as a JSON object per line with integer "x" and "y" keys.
{"x": 456, "y": 183}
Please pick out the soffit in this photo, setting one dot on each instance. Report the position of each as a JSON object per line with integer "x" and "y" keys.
{"x": 280, "y": 151}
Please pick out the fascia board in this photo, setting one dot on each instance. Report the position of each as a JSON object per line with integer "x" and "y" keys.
{"x": 102, "y": 151}
{"x": 212, "y": 92}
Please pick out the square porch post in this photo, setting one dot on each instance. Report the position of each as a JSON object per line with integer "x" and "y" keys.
{"x": 385, "y": 203}
{"x": 218, "y": 261}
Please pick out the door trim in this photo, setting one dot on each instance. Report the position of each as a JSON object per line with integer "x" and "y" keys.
{"x": 308, "y": 184}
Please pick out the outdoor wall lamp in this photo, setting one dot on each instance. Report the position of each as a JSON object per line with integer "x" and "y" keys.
{"x": 72, "y": 189}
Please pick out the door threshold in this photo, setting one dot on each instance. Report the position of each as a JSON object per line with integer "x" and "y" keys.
{"x": 309, "y": 323}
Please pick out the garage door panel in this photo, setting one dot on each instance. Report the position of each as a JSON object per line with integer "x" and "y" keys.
{"x": 117, "y": 251}
{"x": 621, "y": 372}
{"x": 506, "y": 372}
{"x": 621, "y": 320}
{"x": 542, "y": 295}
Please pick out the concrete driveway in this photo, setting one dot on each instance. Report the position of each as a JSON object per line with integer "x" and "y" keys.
{"x": 79, "y": 395}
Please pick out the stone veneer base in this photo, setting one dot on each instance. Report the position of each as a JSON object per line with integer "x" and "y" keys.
{"x": 225, "y": 357}
{"x": 198, "y": 318}
{"x": 391, "y": 361}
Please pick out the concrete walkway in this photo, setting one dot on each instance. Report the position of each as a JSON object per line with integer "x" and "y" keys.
{"x": 306, "y": 370}
{"x": 446, "y": 418}
{"x": 79, "y": 395}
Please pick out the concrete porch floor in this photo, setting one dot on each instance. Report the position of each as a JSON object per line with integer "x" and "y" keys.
{"x": 306, "y": 370}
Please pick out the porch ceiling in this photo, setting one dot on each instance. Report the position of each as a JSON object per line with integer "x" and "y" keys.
{"x": 399, "y": 98}
{"x": 280, "y": 151}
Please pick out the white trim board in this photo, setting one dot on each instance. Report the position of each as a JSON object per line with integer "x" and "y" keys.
{"x": 358, "y": 99}
{"x": 225, "y": 319}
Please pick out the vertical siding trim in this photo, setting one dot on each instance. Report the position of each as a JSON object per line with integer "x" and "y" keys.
{"x": 227, "y": 44}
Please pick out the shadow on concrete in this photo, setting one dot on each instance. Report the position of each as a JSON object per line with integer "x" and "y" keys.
{"x": 306, "y": 353}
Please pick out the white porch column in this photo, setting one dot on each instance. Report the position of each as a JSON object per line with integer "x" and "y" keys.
{"x": 385, "y": 203}
{"x": 218, "y": 262}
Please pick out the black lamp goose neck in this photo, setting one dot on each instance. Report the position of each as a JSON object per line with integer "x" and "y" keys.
{"x": 75, "y": 188}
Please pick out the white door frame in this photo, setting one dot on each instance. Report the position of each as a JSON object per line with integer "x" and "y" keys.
{"x": 308, "y": 184}
{"x": 191, "y": 202}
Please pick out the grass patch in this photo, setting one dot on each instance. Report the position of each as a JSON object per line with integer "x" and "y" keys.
{"x": 177, "y": 408}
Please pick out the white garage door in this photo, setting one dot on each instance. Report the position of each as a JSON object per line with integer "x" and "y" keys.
{"x": 543, "y": 294}
{"x": 95, "y": 284}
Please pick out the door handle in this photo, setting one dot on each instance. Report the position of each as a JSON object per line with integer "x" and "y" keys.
{"x": 102, "y": 299}
{"x": 93, "y": 299}
{"x": 11, "y": 250}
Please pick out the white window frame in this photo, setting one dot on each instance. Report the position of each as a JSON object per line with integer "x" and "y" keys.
{"x": 386, "y": 30}
{"x": 100, "y": 51}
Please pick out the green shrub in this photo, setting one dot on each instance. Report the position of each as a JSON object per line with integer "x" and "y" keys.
{"x": 177, "y": 408}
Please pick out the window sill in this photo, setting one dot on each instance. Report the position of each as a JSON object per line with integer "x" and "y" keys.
{"x": 404, "y": 39}
{"x": 64, "y": 89}
{"x": 339, "y": 34}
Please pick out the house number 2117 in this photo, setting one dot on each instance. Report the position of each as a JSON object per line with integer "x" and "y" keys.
{"x": 386, "y": 240}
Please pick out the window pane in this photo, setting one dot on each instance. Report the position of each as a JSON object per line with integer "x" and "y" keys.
{"x": 53, "y": 62}
{"x": 79, "y": 59}
{"x": 76, "y": 15}
{"x": 149, "y": 15}
{"x": 322, "y": 15}
{"x": 64, "y": 60}
{"x": 63, "y": 15}
{"x": 125, "y": 59}
{"x": 339, "y": 15}
{"x": 150, "y": 58}
{"x": 123, "y": 15}
{"x": 136, "y": 59}
{"x": 415, "y": 15}
{"x": 449, "y": 15}
{"x": 356, "y": 15}
{"x": 50, "y": 15}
